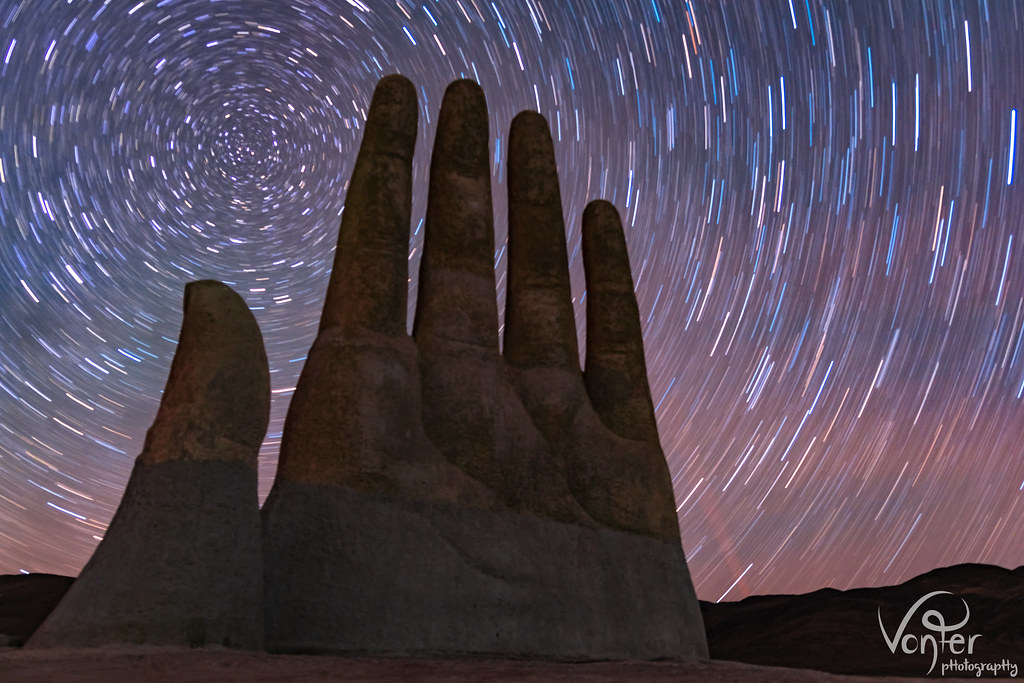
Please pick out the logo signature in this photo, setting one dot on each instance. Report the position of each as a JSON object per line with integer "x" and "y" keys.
{"x": 910, "y": 643}
{"x": 941, "y": 638}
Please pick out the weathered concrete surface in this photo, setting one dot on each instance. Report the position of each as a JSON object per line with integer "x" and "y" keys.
{"x": 181, "y": 562}
{"x": 368, "y": 574}
{"x": 355, "y": 417}
{"x": 436, "y": 494}
{"x": 179, "y": 565}
{"x": 616, "y": 373}
{"x": 216, "y": 404}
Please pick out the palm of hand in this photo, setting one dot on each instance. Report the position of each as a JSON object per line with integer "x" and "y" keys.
{"x": 445, "y": 415}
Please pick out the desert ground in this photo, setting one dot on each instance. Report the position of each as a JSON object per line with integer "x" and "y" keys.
{"x": 159, "y": 665}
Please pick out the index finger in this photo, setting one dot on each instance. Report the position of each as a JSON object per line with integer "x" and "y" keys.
{"x": 369, "y": 283}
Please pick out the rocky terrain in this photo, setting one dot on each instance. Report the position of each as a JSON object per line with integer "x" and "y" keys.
{"x": 838, "y": 631}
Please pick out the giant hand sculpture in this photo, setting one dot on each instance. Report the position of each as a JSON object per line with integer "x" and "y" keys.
{"x": 437, "y": 494}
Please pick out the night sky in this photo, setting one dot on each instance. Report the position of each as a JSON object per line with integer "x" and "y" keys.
{"x": 822, "y": 202}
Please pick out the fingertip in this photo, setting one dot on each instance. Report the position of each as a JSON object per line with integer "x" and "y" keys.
{"x": 601, "y": 215}
{"x": 466, "y": 89}
{"x": 605, "y": 257}
{"x": 206, "y": 293}
{"x": 529, "y": 122}
{"x": 395, "y": 83}
{"x": 462, "y": 140}
{"x": 391, "y": 121}
{"x": 532, "y": 171}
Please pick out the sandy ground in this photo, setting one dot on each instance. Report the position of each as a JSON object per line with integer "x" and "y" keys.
{"x": 157, "y": 665}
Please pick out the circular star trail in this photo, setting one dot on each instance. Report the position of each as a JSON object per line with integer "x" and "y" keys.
{"x": 822, "y": 202}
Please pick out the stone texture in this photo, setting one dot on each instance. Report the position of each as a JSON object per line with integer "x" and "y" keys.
{"x": 615, "y": 374}
{"x": 181, "y": 562}
{"x": 368, "y": 286}
{"x": 370, "y": 574}
{"x": 471, "y": 412}
{"x": 355, "y": 417}
{"x": 436, "y": 494}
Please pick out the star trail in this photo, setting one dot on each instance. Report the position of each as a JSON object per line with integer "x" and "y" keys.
{"x": 822, "y": 202}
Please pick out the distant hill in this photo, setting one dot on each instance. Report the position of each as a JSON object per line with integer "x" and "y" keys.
{"x": 25, "y": 600}
{"x": 839, "y": 632}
